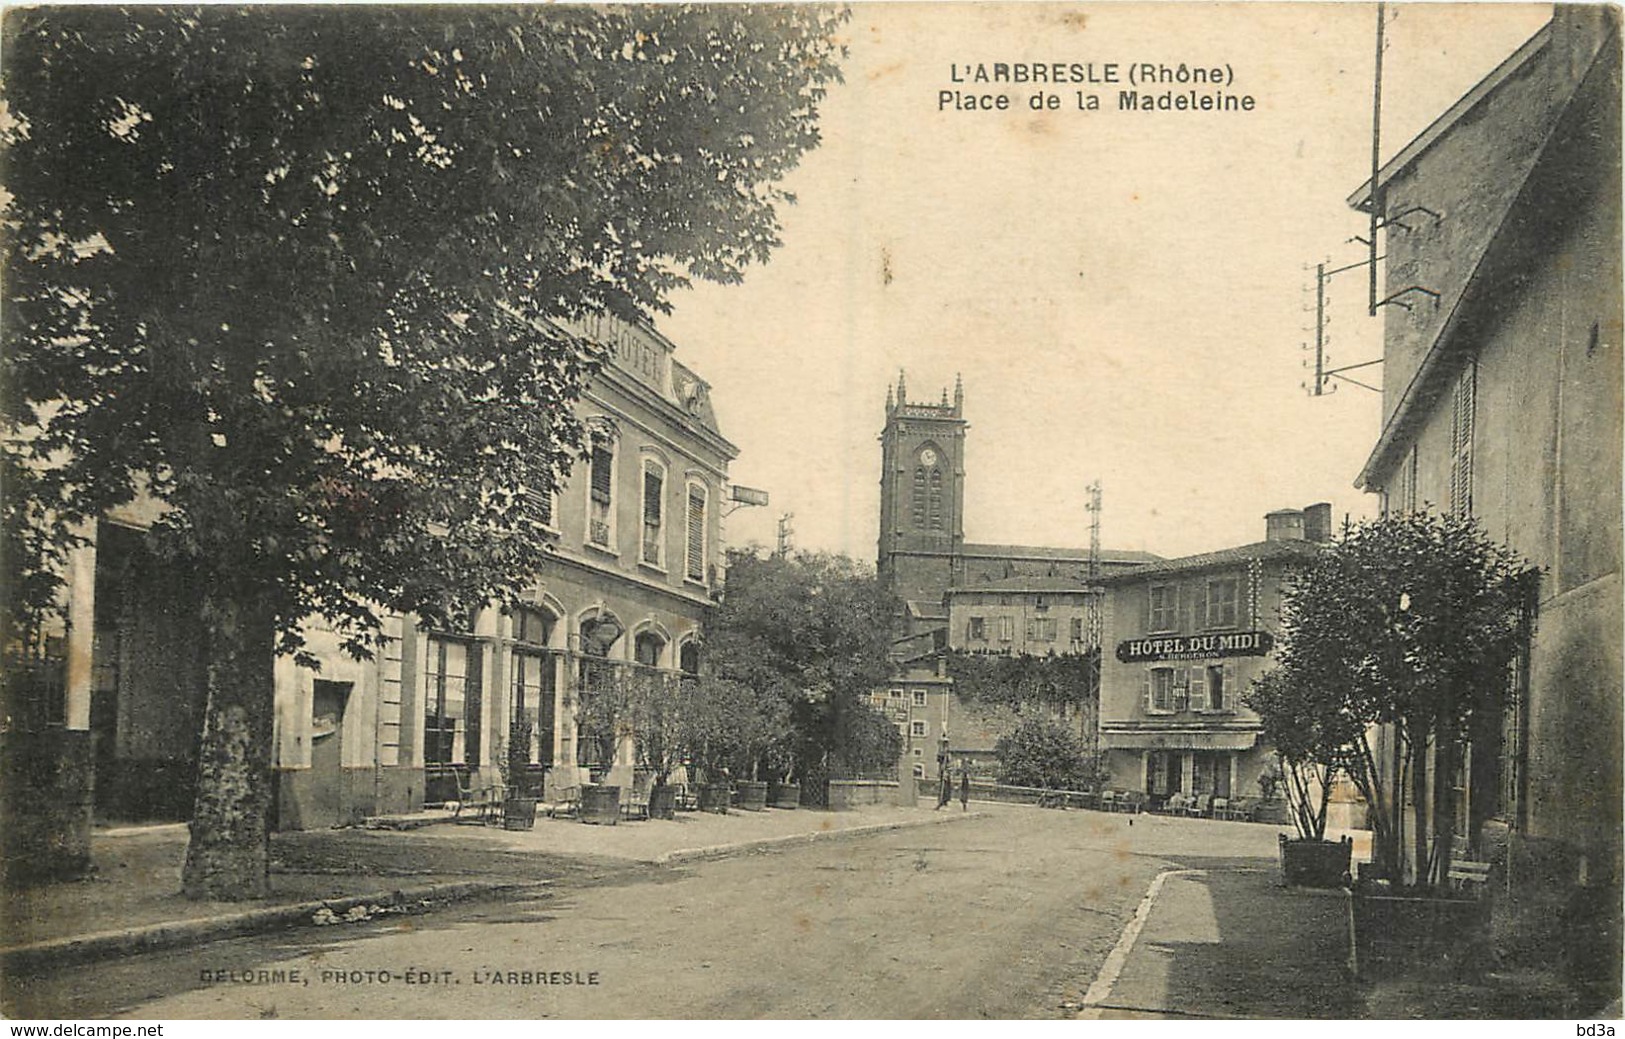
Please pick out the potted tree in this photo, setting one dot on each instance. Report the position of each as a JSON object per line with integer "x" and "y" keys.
{"x": 603, "y": 716}
{"x": 1408, "y": 624}
{"x": 518, "y": 800}
{"x": 713, "y": 719}
{"x": 661, "y": 710}
{"x": 756, "y": 727}
{"x": 782, "y": 790}
{"x": 1312, "y": 740}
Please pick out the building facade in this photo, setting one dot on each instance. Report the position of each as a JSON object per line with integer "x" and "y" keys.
{"x": 1502, "y": 400}
{"x": 1184, "y": 640}
{"x": 636, "y": 533}
{"x": 917, "y": 702}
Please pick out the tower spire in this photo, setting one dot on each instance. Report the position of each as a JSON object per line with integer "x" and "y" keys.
{"x": 902, "y": 388}
{"x": 889, "y": 405}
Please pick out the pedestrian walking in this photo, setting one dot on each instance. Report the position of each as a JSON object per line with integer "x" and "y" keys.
{"x": 946, "y": 794}
{"x": 964, "y": 787}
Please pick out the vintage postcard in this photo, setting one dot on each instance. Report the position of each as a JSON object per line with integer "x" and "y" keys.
{"x": 915, "y": 511}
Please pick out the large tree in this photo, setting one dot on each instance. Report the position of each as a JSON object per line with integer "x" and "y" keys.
{"x": 296, "y": 273}
{"x": 1408, "y": 622}
{"x": 812, "y": 631}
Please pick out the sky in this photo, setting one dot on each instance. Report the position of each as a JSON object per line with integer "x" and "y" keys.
{"x": 1126, "y": 295}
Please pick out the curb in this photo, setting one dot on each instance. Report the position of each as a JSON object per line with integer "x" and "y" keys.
{"x": 167, "y": 935}
{"x": 717, "y": 851}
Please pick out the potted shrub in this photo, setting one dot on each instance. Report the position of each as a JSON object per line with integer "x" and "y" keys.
{"x": 513, "y": 762}
{"x": 1311, "y": 744}
{"x": 1409, "y": 623}
{"x": 602, "y": 718}
{"x": 662, "y": 708}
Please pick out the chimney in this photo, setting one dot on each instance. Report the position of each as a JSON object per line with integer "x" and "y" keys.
{"x": 1317, "y": 522}
{"x": 1283, "y": 525}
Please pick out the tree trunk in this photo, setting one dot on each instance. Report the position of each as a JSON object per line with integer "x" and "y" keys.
{"x": 1419, "y": 805}
{"x": 228, "y": 856}
{"x": 1444, "y": 800}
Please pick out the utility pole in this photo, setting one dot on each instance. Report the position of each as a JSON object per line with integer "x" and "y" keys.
{"x": 1095, "y": 620}
{"x": 786, "y": 533}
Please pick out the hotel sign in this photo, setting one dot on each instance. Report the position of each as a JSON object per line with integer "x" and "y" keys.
{"x": 1196, "y": 647}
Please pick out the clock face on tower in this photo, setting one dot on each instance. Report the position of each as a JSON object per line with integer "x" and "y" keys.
{"x": 928, "y": 456}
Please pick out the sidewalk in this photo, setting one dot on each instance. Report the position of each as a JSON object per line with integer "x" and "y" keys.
{"x": 1227, "y": 939}
{"x": 133, "y": 903}
{"x": 1231, "y": 941}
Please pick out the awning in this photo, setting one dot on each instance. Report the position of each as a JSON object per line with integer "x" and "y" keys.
{"x": 1177, "y": 740}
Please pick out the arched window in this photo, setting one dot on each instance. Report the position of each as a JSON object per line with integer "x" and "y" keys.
{"x": 647, "y": 648}
{"x": 917, "y": 504}
{"x": 688, "y": 658}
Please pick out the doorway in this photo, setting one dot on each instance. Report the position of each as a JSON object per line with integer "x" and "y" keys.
{"x": 328, "y": 702}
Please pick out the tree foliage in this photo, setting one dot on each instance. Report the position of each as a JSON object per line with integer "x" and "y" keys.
{"x": 1021, "y": 681}
{"x": 1042, "y": 752}
{"x": 289, "y": 270}
{"x": 811, "y": 632}
{"x": 303, "y": 276}
{"x": 1408, "y": 621}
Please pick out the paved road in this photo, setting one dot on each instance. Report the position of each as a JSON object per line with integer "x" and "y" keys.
{"x": 1007, "y": 916}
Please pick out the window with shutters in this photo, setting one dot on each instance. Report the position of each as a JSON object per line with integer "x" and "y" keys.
{"x": 1007, "y": 629}
{"x": 1400, "y": 498}
{"x": 654, "y": 507}
{"x": 934, "y": 501}
{"x": 600, "y": 511}
{"x": 1041, "y": 629}
{"x": 917, "y": 502}
{"x": 1463, "y": 404}
{"x": 1159, "y": 690}
{"x": 976, "y": 630}
{"x": 694, "y": 569}
{"x": 1164, "y": 614}
{"x": 1223, "y": 602}
{"x": 538, "y": 504}
{"x": 1219, "y": 681}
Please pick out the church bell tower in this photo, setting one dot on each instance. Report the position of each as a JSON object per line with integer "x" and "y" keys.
{"x": 922, "y": 493}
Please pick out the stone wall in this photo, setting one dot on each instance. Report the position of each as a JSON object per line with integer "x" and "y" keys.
{"x": 854, "y": 793}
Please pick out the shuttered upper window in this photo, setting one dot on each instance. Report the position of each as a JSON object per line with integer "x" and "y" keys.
{"x": 600, "y": 512}
{"x": 654, "y": 488}
{"x": 697, "y": 497}
{"x": 1164, "y": 611}
{"x": 1463, "y": 404}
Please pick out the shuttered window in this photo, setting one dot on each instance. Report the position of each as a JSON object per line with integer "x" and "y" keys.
{"x": 602, "y": 480}
{"x": 1164, "y": 612}
{"x": 539, "y": 503}
{"x": 1221, "y": 607}
{"x": 695, "y": 569}
{"x": 1159, "y": 690}
{"x": 600, "y": 514}
{"x": 1463, "y": 405}
{"x": 654, "y": 484}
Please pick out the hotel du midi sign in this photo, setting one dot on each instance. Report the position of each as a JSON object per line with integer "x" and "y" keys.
{"x": 1196, "y": 647}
